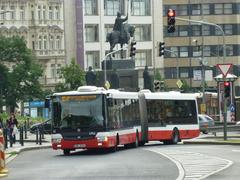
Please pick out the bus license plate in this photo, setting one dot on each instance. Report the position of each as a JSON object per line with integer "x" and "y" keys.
{"x": 79, "y": 145}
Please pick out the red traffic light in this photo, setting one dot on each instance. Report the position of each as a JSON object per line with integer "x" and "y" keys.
{"x": 226, "y": 84}
{"x": 171, "y": 13}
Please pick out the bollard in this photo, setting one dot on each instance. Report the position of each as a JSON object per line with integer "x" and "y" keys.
{"x": 21, "y": 136}
{"x": 37, "y": 130}
{"x": 40, "y": 137}
{"x": 3, "y": 170}
{"x": 25, "y": 129}
{"x": 5, "y": 132}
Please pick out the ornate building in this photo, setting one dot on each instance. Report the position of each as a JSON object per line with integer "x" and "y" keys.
{"x": 41, "y": 24}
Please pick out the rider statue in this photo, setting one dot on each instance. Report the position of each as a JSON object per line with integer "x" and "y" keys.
{"x": 118, "y": 25}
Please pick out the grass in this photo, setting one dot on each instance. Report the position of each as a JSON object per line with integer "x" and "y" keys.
{"x": 14, "y": 153}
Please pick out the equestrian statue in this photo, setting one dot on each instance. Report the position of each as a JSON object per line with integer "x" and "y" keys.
{"x": 121, "y": 33}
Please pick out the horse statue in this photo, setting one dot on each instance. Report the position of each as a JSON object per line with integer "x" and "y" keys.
{"x": 114, "y": 37}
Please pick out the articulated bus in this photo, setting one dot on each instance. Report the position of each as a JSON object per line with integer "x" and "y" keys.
{"x": 92, "y": 118}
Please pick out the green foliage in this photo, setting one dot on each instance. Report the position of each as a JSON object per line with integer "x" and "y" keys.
{"x": 21, "y": 71}
{"x": 185, "y": 87}
{"x": 73, "y": 75}
{"x": 21, "y": 119}
{"x": 158, "y": 76}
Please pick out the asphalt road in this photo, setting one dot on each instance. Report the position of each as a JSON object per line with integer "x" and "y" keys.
{"x": 154, "y": 161}
{"x": 124, "y": 164}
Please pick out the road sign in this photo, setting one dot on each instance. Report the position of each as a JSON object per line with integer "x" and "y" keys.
{"x": 224, "y": 68}
{"x": 232, "y": 108}
{"x": 179, "y": 83}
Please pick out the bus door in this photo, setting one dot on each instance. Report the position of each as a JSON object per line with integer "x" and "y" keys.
{"x": 143, "y": 117}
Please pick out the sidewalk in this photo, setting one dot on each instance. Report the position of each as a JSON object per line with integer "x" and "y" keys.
{"x": 233, "y": 138}
{"x": 29, "y": 144}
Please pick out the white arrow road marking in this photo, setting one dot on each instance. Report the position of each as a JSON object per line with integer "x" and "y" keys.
{"x": 192, "y": 165}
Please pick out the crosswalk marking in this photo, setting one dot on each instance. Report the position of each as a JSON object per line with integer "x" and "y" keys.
{"x": 235, "y": 150}
{"x": 194, "y": 165}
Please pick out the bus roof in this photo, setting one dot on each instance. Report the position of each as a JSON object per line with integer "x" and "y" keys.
{"x": 171, "y": 95}
{"x": 87, "y": 90}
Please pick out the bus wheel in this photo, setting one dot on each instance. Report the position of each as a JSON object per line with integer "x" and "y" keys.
{"x": 175, "y": 137}
{"x": 66, "y": 152}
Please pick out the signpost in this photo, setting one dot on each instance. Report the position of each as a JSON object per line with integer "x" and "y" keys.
{"x": 225, "y": 77}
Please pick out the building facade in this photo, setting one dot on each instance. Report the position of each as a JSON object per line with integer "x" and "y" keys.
{"x": 192, "y": 43}
{"x": 41, "y": 23}
{"x": 95, "y": 18}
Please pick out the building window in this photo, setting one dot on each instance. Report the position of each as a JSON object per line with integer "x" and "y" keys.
{"x": 45, "y": 42}
{"x": 206, "y": 51}
{"x": 223, "y": 8}
{"x": 184, "y": 72}
{"x": 50, "y": 11}
{"x": 140, "y": 7}
{"x": 206, "y": 30}
{"x": 196, "y": 51}
{"x": 90, "y": 7}
{"x": 205, "y": 9}
{"x": 57, "y": 13}
{"x": 22, "y": 13}
{"x": 143, "y": 58}
{"x": 113, "y": 6}
{"x": 228, "y": 29}
{"x": 2, "y": 14}
{"x": 183, "y": 30}
{"x": 39, "y": 13}
{"x": 143, "y": 32}
{"x": 40, "y": 42}
{"x": 229, "y": 50}
{"x": 51, "y": 43}
{"x": 217, "y": 30}
{"x": 170, "y": 73}
{"x": 196, "y": 9}
{"x": 44, "y": 12}
{"x": 92, "y": 58}
{"x": 58, "y": 42}
{"x": 196, "y": 30}
{"x": 55, "y": 68}
{"x": 183, "y": 51}
{"x": 228, "y": 8}
{"x": 13, "y": 13}
{"x": 91, "y": 32}
{"x": 182, "y": 10}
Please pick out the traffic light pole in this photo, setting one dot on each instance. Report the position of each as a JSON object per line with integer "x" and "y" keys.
{"x": 224, "y": 58}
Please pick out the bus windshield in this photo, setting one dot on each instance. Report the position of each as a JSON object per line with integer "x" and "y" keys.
{"x": 78, "y": 111}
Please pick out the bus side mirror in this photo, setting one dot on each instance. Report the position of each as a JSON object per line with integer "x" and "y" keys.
{"x": 47, "y": 103}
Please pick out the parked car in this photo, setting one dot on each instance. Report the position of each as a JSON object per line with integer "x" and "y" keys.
{"x": 205, "y": 122}
{"x": 46, "y": 125}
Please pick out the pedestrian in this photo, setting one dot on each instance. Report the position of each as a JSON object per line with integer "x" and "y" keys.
{"x": 12, "y": 124}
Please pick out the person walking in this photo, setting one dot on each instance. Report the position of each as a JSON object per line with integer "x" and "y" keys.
{"x": 12, "y": 124}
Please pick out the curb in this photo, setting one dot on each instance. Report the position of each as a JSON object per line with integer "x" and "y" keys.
{"x": 210, "y": 142}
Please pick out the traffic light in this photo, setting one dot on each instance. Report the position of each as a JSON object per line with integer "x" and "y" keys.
{"x": 156, "y": 85}
{"x": 162, "y": 85}
{"x": 171, "y": 20}
{"x": 133, "y": 49}
{"x": 227, "y": 89}
{"x": 161, "y": 48}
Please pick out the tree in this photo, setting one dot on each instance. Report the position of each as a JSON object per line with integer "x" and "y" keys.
{"x": 73, "y": 75}
{"x": 21, "y": 71}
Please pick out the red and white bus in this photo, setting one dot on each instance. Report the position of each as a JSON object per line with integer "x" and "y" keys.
{"x": 93, "y": 117}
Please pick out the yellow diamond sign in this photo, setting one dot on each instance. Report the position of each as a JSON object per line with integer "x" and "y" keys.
{"x": 179, "y": 83}
{"x": 107, "y": 85}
